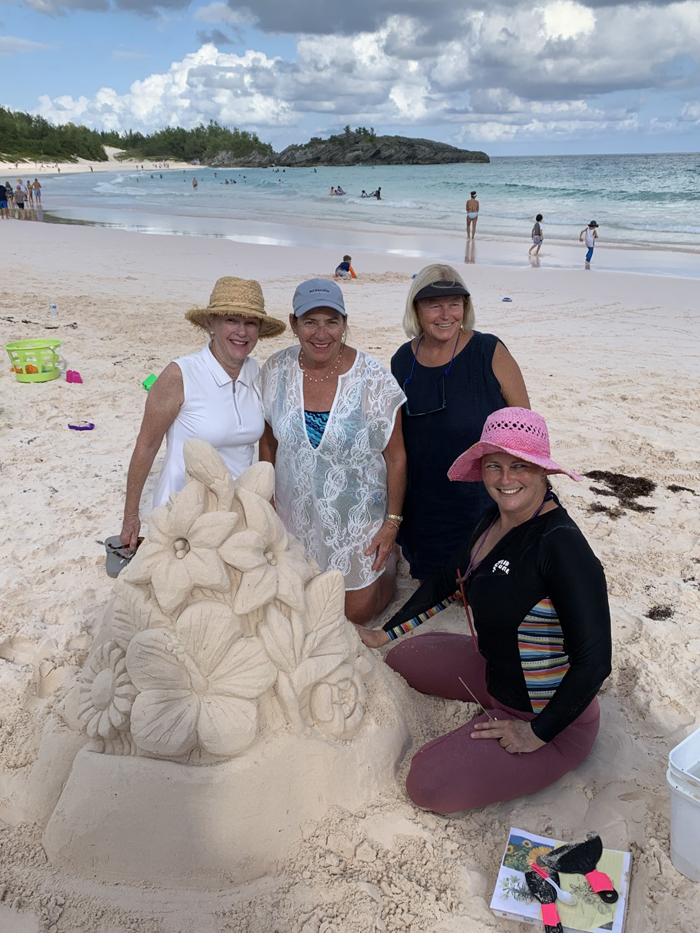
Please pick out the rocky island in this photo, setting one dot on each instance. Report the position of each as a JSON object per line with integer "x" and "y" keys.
{"x": 358, "y": 147}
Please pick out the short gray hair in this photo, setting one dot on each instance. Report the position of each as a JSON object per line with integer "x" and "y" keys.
{"x": 436, "y": 272}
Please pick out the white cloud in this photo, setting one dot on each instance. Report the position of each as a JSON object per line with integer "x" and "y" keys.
{"x": 10, "y": 45}
{"x": 690, "y": 113}
{"x": 500, "y": 73}
{"x": 205, "y": 85}
{"x": 566, "y": 19}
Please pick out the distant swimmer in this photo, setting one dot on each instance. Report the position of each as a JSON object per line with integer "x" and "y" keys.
{"x": 364, "y": 194}
{"x": 472, "y": 214}
{"x": 333, "y": 191}
{"x": 344, "y": 269}
{"x": 378, "y": 194}
{"x": 339, "y": 190}
{"x": 194, "y": 183}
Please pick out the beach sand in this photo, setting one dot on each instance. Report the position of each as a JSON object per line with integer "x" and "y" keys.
{"x": 23, "y": 168}
{"x": 611, "y": 360}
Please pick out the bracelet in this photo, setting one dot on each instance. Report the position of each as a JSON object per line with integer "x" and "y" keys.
{"x": 388, "y": 521}
{"x": 396, "y": 518}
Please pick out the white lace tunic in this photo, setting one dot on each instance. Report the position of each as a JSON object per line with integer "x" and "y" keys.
{"x": 333, "y": 498}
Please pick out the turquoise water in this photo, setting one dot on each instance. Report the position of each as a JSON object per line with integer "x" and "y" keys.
{"x": 638, "y": 200}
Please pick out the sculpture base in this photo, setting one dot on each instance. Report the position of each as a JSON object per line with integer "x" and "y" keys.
{"x": 142, "y": 820}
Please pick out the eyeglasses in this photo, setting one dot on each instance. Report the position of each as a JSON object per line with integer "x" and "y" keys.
{"x": 443, "y": 384}
{"x": 431, "y": 411}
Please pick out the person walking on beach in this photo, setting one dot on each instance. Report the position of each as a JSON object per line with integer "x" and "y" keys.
{"x": 537, "y": 236}
{"x": 472, "y": 214}
{"x": 591, "y": 233}
{"x": 4, "y": 210}
{"x": 19, "y": 197}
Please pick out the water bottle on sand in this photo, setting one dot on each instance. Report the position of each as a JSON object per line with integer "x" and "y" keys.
{"x": 53, "y": 313}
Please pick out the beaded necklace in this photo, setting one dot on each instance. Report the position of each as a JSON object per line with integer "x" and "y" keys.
{"x": 328, "y": 375}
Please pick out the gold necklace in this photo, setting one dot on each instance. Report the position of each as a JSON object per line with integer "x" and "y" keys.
{"x": 323, "y": 378}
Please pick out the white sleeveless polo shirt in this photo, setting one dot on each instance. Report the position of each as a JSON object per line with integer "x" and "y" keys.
{"x": 226, "y": 414}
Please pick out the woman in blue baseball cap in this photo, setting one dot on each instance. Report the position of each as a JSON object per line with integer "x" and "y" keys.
{"x": 333, "y": 432}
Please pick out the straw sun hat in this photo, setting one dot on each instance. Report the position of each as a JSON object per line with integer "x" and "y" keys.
{"x": 237, "y": 296}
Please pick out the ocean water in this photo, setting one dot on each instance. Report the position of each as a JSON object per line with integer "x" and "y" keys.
{"x": 638, "y": 200}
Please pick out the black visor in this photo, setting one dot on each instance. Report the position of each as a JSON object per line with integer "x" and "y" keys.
{"x": 441, "y": 290}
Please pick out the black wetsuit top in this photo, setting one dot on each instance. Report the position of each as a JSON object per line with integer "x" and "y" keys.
{"x": 546, "y": 558}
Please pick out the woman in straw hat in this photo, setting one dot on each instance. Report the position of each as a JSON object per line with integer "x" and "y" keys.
{"x": 334, "y": 434}
{"x": 540, "y": 644}
{"x": 454, "y": 377}
{"x": 211, "y": 395}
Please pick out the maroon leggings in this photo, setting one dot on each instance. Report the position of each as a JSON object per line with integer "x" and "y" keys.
{"x": 455, "y": 772}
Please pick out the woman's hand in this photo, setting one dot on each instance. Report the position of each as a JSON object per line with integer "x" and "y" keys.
{"x": 373, "y": 638}
{"x": 383, "y": 543}
{"x": 514, "y": 735}
{"x": 129, "y": 534}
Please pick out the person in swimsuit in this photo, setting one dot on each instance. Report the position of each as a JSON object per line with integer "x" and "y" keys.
{"x": 19, "y": 197}
{"x": 453, "y": 377}
{"x": 472, "y": 214}
{"x": 37, "y": 190}
{"x": 537, "y": 236}
{"x": 344, "y": 269}
{"x": 333, "y": 433}
{"x": 211, "y": 394}
{"x": 540, "y": 644}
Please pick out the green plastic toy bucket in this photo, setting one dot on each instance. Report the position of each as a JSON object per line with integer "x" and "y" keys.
{"x": 35, "y": 360}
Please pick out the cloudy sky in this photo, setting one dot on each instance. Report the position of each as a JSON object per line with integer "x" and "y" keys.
{"x": 556, "y": 76}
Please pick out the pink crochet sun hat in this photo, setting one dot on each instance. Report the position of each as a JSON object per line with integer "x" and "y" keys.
{"x": 517, "y": 431}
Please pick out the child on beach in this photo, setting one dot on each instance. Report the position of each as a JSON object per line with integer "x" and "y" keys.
{"x": 591, "y": 236}
{"x": 537, "y": 236}
{"x": 344, "y": 269}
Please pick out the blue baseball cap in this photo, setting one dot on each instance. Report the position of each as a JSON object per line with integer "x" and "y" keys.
{"x": 318, "y": 293}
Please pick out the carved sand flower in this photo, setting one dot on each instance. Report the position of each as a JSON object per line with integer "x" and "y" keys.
{"x": 181, "y": 549}
{"x": 336, "y": 704}
{"x": 197, "y": 684}
{"x": 273, "y": 564}
{"x": 106, "y": 693}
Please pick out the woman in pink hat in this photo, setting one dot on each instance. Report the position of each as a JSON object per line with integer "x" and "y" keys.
{"x": 539, "y": 646}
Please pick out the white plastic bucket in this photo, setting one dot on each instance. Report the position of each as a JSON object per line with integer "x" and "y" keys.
{"x": 683, "y": 778}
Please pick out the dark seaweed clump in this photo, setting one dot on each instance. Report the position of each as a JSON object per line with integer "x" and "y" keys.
{"x": 675, "y": 488}
{"x": 658, "y": 613}
{"x": 626, "y": 489}
{"x": 612, "y": 511}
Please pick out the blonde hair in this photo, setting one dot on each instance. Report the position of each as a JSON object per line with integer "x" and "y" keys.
{"x": 434, "y": 273}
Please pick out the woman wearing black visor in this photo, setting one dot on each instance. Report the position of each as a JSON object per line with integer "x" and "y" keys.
{"x": 454, "y": 377}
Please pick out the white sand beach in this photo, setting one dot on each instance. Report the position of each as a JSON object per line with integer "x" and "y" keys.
{"x": 21, "y": 168}
{"x": 611, "y": 360}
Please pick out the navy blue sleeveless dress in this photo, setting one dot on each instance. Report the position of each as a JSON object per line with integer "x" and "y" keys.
{"x": 439, "y": 514}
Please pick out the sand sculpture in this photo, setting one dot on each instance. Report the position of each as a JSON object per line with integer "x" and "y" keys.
{"x": 224, "y": 649}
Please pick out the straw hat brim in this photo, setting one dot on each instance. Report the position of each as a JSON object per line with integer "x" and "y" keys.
{"x": 467, "y": 467}
{"x": 269, "y": 326}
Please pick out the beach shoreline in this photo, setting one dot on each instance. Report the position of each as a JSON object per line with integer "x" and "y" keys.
{"x": 613, "y": 363}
